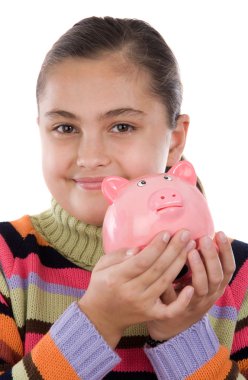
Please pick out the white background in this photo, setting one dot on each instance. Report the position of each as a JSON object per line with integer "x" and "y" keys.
{"x": 210, "y": 41}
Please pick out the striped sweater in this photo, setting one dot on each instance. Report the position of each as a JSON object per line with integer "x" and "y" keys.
{"x": 44, "y": 335}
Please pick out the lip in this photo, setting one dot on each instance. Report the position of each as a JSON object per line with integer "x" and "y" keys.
{"x": 89, "y": 183}
{"x": 162, "y": 210}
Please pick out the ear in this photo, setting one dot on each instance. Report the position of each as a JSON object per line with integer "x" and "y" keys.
{"x": 178, "y": 140}
{"x": 184, "y": 170}
{"x": 111, "y": 187}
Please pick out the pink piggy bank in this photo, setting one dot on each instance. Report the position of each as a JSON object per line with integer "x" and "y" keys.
{"x": 143, "y": 207}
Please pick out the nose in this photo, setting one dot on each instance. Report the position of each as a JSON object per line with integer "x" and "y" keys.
{"x": 92, "y": 153}
{"x": 165, "y": 198}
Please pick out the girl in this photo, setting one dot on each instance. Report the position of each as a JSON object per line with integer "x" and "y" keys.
{"x": 109, "y": 97}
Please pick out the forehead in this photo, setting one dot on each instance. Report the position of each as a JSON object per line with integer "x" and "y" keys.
{"x": 110, "y": 78}
{"x": 103, "y": 68}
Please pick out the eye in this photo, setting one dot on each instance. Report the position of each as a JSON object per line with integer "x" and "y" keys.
{"x": 122, "y": 128}
{"x": 141, "y": 183}
{"x": 168, "y": 178}
{"x": 65, "y": 129}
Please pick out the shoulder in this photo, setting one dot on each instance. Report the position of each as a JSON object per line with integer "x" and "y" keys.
{"x": 240, "y": 252}
{"x": 17, "y": 234}
{"x": 18, "y": 240}
{"x": 239, "y": 281}
{"x": 12, "y": 229}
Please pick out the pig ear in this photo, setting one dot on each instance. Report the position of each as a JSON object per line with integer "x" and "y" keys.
{"x": 184, "y": 170}
{"x": 111, "y": 187}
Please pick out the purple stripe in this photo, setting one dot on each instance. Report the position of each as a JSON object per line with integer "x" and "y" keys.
{"x": 16, "y": 282}
{"x": 182, "y": 355}
{"x": 223, "y": 312}
{"x": 82, "y": 346}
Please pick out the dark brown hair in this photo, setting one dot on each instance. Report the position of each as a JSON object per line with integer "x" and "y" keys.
{"x": 141, "y": 45}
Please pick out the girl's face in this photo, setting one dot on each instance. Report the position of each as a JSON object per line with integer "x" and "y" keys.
{"x": 98, "y": 118}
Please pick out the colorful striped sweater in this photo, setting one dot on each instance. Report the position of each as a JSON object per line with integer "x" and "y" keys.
{"x": 46, "y": 264}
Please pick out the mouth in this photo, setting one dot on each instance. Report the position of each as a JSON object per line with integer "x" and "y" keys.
{"x": 89, "y": 183}
{"x": 162, "y": 210}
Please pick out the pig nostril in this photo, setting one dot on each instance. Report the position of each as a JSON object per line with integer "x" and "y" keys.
{"x": 174, "y": 195}
{"x": 162, "y": 197}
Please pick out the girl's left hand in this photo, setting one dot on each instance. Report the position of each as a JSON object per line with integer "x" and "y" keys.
{"x": 212, "y": 269}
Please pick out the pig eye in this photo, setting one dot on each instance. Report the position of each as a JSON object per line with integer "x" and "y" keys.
{"x": 168, "y": 178}
{"x": 141, "y": 183}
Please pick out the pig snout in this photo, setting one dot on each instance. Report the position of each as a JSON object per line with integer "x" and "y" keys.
{"x": 163, "y": 199}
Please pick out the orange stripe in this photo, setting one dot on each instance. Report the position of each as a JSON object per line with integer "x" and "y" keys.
{"x": 25, "y": 227}
{"x": 243, "y": 365}
{"x": 10, "y": 334}
{"x": 51, "y": 364}
{"x": 216, "y": 368}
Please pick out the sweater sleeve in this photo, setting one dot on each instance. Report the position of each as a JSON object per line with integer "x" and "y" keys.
{"x": 72, "y": 349}
{"x": 195, "y": 354}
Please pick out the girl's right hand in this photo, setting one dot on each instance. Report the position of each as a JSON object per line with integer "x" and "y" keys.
{"x": 125, "y": 287}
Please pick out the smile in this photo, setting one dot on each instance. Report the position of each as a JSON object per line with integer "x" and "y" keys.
{"x": 89, "y": 183}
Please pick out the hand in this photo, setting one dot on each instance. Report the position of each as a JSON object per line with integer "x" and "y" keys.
{"x": 125, "y": 288}
{"x": 212, "y": 267}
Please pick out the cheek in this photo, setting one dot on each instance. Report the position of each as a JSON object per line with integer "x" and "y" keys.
{"x": 56, "y": 158}
{"x": 160, "y": 154}
{"x": 53, "y": 163}
{"x": 151, "y": 158}
{"x": 161, "y": 161}
{"x": 48, "y": 168}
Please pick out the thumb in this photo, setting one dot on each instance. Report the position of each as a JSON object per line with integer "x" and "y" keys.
{"x": 179, "y": 304}
{"x": 169, "y": 295}
{"x": 118, "y": 257}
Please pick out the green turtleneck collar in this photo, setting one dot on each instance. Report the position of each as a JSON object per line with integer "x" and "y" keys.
{"x": 78, "y": 242}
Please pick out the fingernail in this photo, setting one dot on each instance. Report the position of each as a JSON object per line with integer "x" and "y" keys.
{"x": 196, "y": 256}
{"x": 190, "y": 292}
{"x": 166, "y": 237}
{"x": 207, "y": 242}
{"x": 132, "y": 251}
{"x": 191, "y": 245}
{"x": 222, "y": 237}
{"x": 185, "y": 235}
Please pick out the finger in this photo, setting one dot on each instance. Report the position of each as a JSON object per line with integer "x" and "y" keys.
{"x": 162, "y": 274}
{"x": 176, "y": 307}
{"x": 226, "y": 256}
{"x": 169, "y": 295}
{"x": 115, "y": 258}
{"x": 212, "y": 263}
{"x": 156, "y": 287}
{"x": 139, "y": 263}
{"x": 198, "y": 273}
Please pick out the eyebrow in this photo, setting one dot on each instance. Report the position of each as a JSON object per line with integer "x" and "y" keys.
{"x": 57, "y": 112}
{"x": 116, "y": 112}
{"x": 121, "y": 111}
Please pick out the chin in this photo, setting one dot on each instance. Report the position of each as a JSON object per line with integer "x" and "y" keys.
{"x": 93, "y": 214}
{"x": 90, "y": 219}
